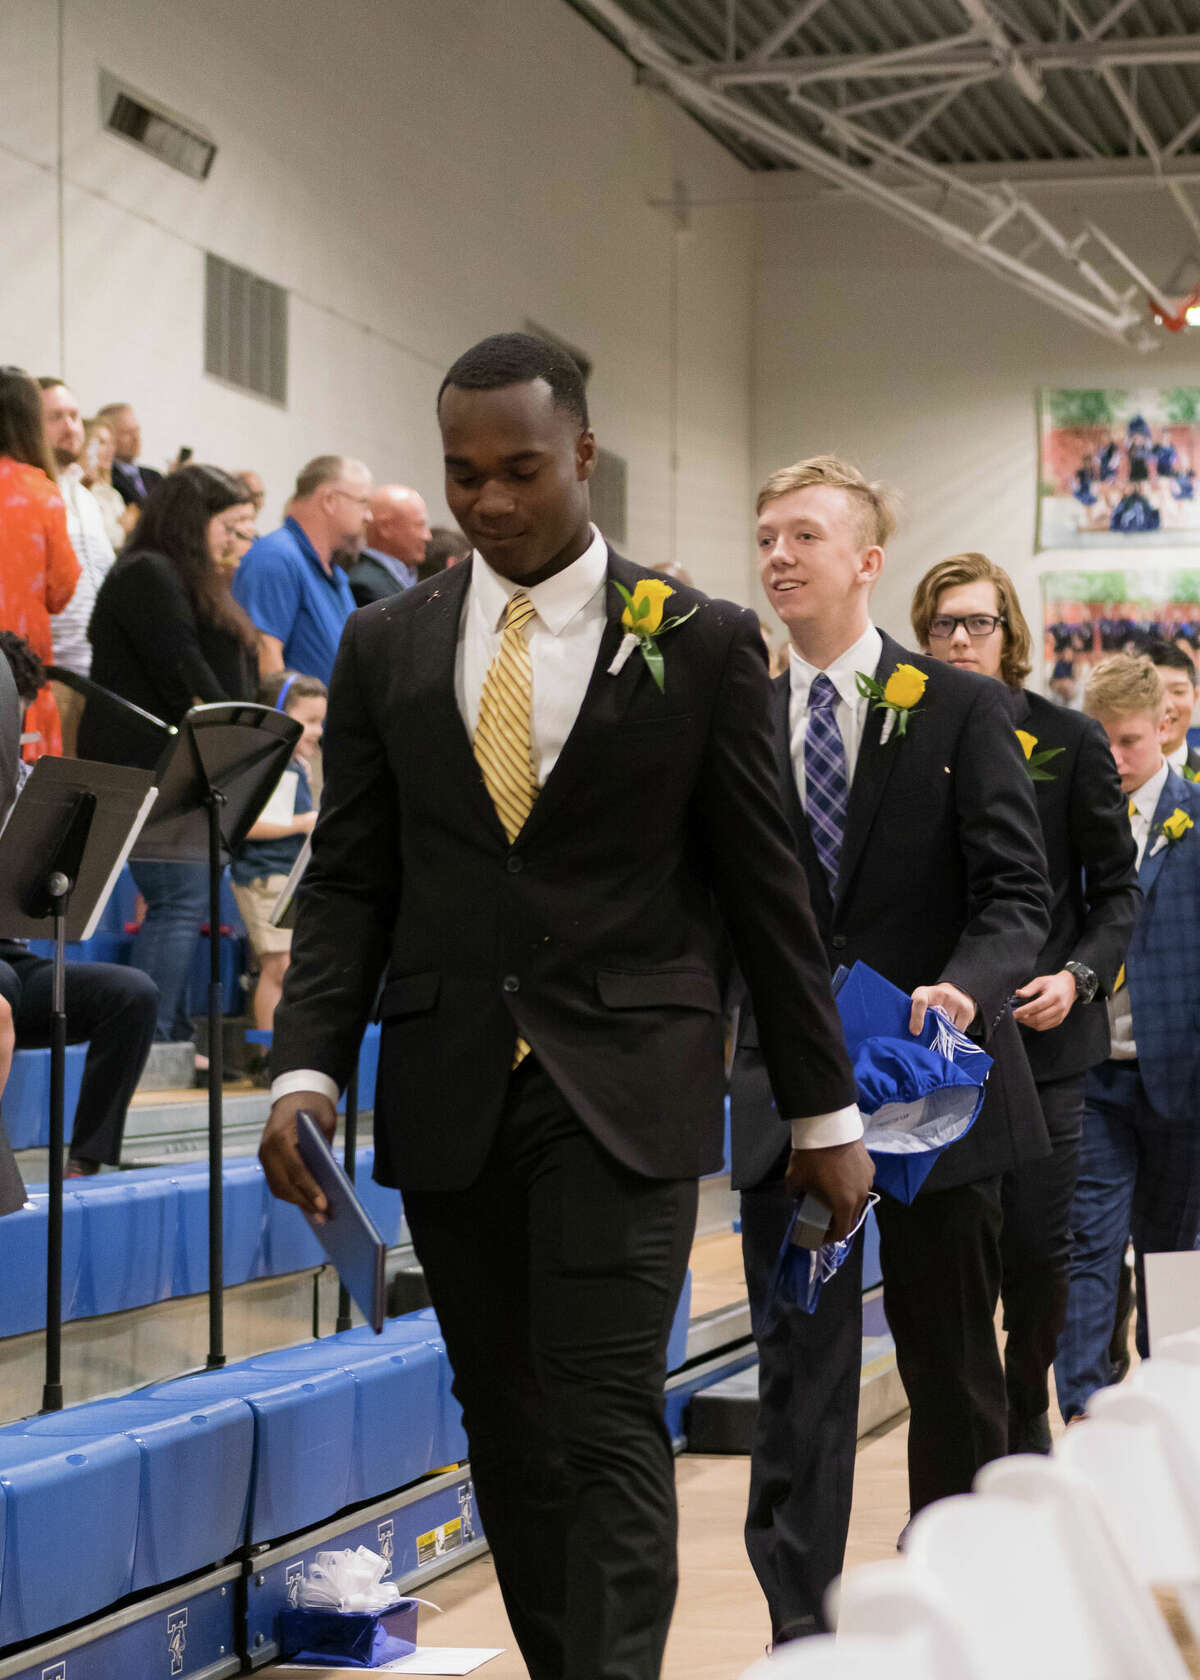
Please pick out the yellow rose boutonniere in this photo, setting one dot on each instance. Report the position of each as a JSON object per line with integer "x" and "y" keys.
{"x": 897, "y": 697}
{"x": 1172, "y": 830}
{"x": 644, "y": 624}
{"x": 1035, "y": 762}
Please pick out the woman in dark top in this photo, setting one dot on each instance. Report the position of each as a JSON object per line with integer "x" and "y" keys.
{"x": 165, "y": 634}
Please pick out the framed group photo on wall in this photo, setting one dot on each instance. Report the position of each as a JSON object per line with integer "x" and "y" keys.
{"x": 1116, "y": 469}
{"x": 1088, "y": 615}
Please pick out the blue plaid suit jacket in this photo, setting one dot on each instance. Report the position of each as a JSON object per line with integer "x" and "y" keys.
{"x": 1162, "y": 965}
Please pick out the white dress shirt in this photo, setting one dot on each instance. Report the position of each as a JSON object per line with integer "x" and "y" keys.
{"x": 89, "y": 539}
{"x": 564, "y": 643}
{"x": 851, "y": 709}
{"x": 1143, "y": 805}
{"x": 1178, "y": 759}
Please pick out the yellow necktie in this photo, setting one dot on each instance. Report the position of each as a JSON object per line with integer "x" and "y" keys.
{"x": 503, "y": 742}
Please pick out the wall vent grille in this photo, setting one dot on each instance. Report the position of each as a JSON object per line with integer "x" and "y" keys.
{"x": 172, "y": 139}
{"x": 245, "y": 329}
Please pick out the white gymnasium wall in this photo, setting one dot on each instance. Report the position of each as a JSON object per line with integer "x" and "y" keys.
{"x": 417, "y": 175}
{"x": 875, "y": 342}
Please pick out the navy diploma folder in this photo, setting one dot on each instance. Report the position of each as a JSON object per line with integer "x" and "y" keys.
{"x": 348, "y": 1235}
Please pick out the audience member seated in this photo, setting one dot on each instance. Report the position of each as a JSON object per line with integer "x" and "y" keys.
{"x": 38, "y": 568}
{"x": 397, "y": 533}
{"x": 167, "y": 633}
{"x": 132, "y": 481}
{"x": 446, "y": 547}
{"x": 85, "y": 526}
{"x": 1139, "y": 1170}
{"x": 96, "y": 462}
{"x": 261, "y": 866}
{"x": 288, "y": 584}
{"x": 110, "y": 1008}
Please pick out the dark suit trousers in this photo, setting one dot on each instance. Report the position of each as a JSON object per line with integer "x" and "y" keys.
{"x": 109, "y": 1007}
{"x": 941, "y": 1283}
{"x": 1036, "y": 1248}
{"x": 555, "y": 1277}
{"x": 806, "y": 1431}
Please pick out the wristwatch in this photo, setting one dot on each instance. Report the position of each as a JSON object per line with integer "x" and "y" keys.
{"x": 1086, "y": 982}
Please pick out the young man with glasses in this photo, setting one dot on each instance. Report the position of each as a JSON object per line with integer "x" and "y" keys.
{"x": 920, "y": 842}
{"x": 966, "y": 612}
{"x": 289, "y": 583}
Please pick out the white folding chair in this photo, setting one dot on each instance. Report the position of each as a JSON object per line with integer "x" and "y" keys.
{"x": 1117, "y": 1594}
{"x": 830, "y": 1658}
{"x": 1019, "y": 1594}
{"x": 895, "y": 1601}
{"x": 1131, "y": 1454}
{"x": 1175, "y": 1384}
{"x": 1183, "y": 1347}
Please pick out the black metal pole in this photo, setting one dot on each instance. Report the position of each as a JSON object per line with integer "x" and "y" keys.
{"x": 216, "y": 1069}
{"x": 58, "y": 888}
{"x": 351, "y": 1160}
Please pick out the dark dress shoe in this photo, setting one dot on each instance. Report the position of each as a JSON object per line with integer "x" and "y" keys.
{"x": 1029, "y": 1434}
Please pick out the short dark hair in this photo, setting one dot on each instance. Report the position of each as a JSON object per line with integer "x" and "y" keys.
{"x": 29, "y": 674}
{"x": 518, "y": 359}
{"x": 1166, "y": 654}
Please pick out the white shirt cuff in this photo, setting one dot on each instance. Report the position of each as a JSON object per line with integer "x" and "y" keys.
{"x": 304, "y": 1079}
{"x": 818, "y": 1131}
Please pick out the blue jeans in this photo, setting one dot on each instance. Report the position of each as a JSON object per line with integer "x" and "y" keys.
{"x": 1139, "y": 1176}
{"x": 176, "y": 897}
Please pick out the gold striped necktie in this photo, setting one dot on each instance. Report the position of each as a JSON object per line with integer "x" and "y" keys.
{"x": 503, "y": 735}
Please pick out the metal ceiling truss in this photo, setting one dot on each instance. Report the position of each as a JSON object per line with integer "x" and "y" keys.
{"x": 1086, "y": 275}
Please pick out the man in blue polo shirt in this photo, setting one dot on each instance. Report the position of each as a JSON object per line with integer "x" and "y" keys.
{"x": 293, "y": 593}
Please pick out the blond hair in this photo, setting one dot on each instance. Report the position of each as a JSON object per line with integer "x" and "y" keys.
{"x": 1016, "y": 661}
{"x": 874, "y": 507}
{"x": 1121, "y": 685}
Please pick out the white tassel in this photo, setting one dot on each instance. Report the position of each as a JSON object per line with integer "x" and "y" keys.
{"x": 628, "y": 642}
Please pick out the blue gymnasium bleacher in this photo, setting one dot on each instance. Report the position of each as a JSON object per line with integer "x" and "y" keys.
{"x": 133, "y": 1238}
{"x": 175, "y": 1478}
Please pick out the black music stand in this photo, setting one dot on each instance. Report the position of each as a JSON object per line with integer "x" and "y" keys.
{"x": 64, "y": 846}
{"x": 217, "y": 777}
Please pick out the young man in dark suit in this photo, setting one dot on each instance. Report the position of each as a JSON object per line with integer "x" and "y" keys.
{"x": 965, "y": 611}
{"x": 920, "y": 841}
{"x": 1139, "y": 1171}
{"x": 529, "y": 838}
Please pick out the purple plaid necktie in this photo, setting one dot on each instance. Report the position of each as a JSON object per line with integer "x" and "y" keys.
{"x": 825, "y": 778}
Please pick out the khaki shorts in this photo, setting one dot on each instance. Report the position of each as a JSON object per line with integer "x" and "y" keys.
{"x": 256, "y": 902}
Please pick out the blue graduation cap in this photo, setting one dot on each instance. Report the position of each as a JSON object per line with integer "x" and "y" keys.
{"x": 917, "y": 1095}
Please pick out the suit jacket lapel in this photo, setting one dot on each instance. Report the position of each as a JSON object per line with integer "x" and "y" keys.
{"x": 1151, "y": 866}
{"x": 871, "y": 774}
{"x": 781, "y": 739}
{"x": 605, "y": 701}
{"x": 434, "y": 654}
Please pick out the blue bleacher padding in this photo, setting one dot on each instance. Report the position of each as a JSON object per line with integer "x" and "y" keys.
{"x": 194, "y": 1476}
{"x": 677, "y": 1341}
{"x": 101, "y": 947}
{"x": 245, "y": 1199}
{"x": 23, "y": 1262}
{"x": 26, "y": 1106}
{"x": 400, "y": 1396}
{"x": 68, "y": 1528}
{"x": 303, "y": 1446}
{"x": 130, "y": 1234}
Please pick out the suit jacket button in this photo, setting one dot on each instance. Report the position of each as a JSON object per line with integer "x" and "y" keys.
{"x": 515, "y": 863}
{"x": 511, "y": 983}
{"x": 838, "y": 941}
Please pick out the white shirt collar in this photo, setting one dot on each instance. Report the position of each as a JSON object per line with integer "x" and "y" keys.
{"x": 863, "y": 656}
{"x": 557, "y": 600}
{"x": 1179, "y": 757}
{"x": 1145, "y": 800}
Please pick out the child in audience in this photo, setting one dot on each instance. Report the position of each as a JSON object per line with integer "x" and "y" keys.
{"x": 264, "y": 861}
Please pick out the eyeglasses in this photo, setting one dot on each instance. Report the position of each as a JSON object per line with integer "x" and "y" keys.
{"x": 363, "y": 501}
{"x": 977, "y": 625}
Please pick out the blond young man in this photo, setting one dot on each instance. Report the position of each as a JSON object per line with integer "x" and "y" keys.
{"x": 923, "y": 857}
{"x": 1139, "y": 1169}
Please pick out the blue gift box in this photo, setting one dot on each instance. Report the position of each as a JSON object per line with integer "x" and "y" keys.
{"x": 353, "y": 1639}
